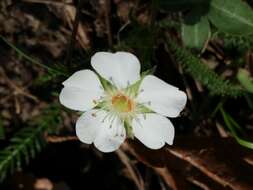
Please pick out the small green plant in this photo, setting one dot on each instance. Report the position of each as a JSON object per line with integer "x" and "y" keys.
{"x": 201, "y": 72}
{"x": 26, "y": 143}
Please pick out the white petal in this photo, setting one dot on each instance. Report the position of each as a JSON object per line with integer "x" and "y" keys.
{"x": 79, "y": 99}
{"x": 84, "y": 79}
{"x": 106, "y": 134}
{"x": 120, "y": 68}
{"x": 153, "y": 130}
{"x": 110, "y": 136}
{"x": 88, "y": 125}
{"x": 81, "y": 91}
{"x": 161, "y": 97}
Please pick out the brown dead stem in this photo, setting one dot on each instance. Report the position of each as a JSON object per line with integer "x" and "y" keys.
{"x": 16, "y": 89}
{"x": 136, "y": 177}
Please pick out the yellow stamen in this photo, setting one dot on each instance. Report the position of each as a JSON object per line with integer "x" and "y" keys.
{"x": 122, "y": 103}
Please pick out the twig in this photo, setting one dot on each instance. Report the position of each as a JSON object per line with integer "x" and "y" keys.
{"x": 148, "y": 177}
{"x": 162, "y": 184}
{"x": 108, "y": 22}
{"x": 198, "y": 183}
{"x": 17, "y": 89}
{"x": 73, "y": 35}
{"x": 59, "y": 139}
{"x": 121, "y": 29}
{"x": 125, "y": 160}
{"x": 249, "y": 159}
{"x": 49, "y": 2}
{"x": 17, "y": 105}
{"x": 154, "y": 6}
{"x": 167, "y": 177}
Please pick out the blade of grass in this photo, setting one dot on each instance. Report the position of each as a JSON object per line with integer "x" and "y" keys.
{"x": 231, "y": 127}
{"x": 235, "y": 124}
{"x": 30, "y": 59}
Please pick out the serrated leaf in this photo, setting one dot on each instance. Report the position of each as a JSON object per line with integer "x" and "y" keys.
{"x": 201, "y": 72}
{"x": 231, "y": 16}
{"x": 195, "y": 31}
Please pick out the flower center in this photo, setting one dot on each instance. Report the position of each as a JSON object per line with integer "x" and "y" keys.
{"x": 122, "y": 103}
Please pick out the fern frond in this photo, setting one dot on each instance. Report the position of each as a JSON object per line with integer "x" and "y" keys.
{"x": 26, "y": 143}
{"x": 199, "y": 71}
{"x": 241, "y": 43}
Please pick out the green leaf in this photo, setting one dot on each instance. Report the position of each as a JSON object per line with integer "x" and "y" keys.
{"x": 195, "y": 30}
{"x": 245, "y": 80}
{"x": 231, "y": 16}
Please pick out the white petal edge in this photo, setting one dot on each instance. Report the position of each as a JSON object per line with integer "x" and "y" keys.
{"x": 153, "y": 130}
{"x": 84, "y": 79}
{"x": 106, "y": 134}
{"x": 120, "y": 68}
{"x": 161, "y": 97}
{"x": 79, "y": 99}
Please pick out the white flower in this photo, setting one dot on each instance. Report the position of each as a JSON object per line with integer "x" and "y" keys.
{"x": 126, "y": 105}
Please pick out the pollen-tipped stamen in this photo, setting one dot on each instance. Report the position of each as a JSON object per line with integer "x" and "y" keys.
{"x": 122, "y": 103}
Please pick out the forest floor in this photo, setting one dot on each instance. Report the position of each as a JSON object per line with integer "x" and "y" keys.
{"x": 204, "y": 155}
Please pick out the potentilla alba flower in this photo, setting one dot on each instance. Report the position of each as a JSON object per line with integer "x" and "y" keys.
{"x": 120, "y": 103}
